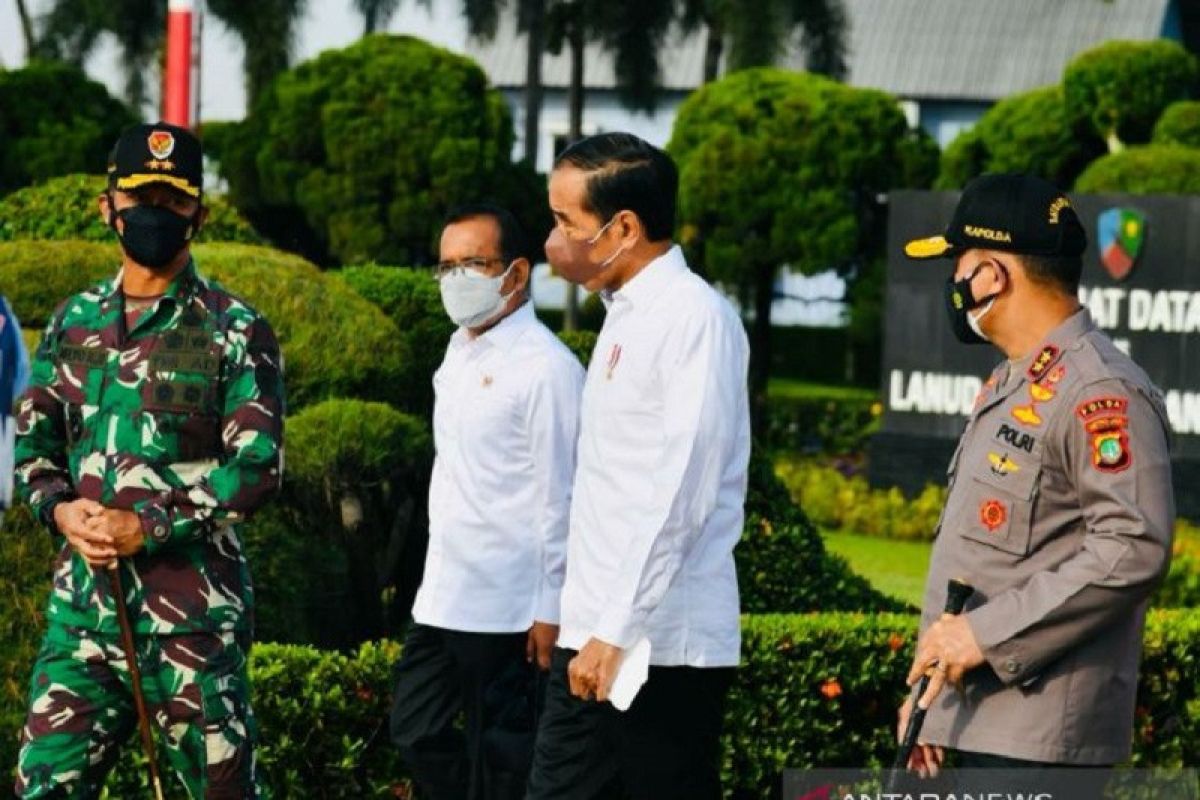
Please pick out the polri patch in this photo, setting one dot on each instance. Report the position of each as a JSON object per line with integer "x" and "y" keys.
{"x": 1015, "y": 438}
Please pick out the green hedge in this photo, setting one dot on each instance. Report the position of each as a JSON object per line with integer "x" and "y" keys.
{"x": 335, "y": 343}
{"x": 410, "y": 298}
{"x": 835, "y": 423}
{"x": 841, "y": 499}
{"x": 1153, "y": 169}
{"x": 26, "y": 555}
{"x": 782, "y": 563}
{"x": 64, "y": 209}
{"x": 816, "y": 690}
{"x": 1179, "y": 124}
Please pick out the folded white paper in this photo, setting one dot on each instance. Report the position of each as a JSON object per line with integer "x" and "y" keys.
{"x": 631, "y": 674}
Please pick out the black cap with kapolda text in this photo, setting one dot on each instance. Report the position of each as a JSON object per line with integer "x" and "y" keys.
{"x": 158, "y": 153}
{"x": 1019, "y": 214}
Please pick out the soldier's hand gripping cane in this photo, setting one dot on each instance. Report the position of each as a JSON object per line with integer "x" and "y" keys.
{"x": 135, "y": 675}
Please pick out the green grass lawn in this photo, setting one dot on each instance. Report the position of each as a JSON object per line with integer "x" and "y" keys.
{"x": 786, "y": 388}
{"x": 894, "y": 567}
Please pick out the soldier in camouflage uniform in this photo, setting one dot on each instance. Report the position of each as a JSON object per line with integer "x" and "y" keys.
{"x": 151, "y": 428}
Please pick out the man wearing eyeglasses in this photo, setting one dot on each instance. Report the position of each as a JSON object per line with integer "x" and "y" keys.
{"x": 505, "y": 420}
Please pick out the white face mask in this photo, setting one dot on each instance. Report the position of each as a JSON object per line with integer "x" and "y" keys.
{"x": 471, "y": 299}
{"x": 973, "y": 320}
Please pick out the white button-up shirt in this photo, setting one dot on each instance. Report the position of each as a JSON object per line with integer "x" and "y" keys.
{"x": 505, "y": 425}
{"x": 661, "y": 482}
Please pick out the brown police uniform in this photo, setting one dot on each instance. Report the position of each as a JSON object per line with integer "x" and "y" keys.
{"x": 1060, "y": 514}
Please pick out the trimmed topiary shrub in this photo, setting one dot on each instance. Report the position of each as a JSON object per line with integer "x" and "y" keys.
{"x": 358, "y": 154}
{"x": 1179, "y": 124}
{"x": 359, "y": 472}
{"x": 1028, "y": 132}
{"x": 334, "y": 342}
{"x": 65, "y": 209}
{"x": 410, "y": 297}
{"x": 1153, "y": 169}
{"x": 782, "y": 563}
{"x": 1119, "y": 89}
{"x": 55, "y": 121}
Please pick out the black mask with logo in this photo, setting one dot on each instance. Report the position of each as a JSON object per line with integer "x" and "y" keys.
{"x": 960, "y": 301}
{"x": 153, "y": 236}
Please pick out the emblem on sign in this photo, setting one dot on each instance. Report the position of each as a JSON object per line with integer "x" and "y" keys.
{"x": 161, "y": 143}
{"x": 1122, "y": 232}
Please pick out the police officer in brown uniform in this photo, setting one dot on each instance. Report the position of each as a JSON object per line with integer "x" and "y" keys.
{"x": 1060, "y": 509}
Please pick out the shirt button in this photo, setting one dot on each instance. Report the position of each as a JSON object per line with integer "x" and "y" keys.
{"x": 1013, "y": 666}
{"x": 159, "y": 531}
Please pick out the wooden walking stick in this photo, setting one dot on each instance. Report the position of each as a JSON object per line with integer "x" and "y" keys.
{"x": 135, "y": 676}
{"x": 957, "y": 593}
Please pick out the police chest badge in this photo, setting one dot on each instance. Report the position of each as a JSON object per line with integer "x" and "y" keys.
{"x": 1106, "y": 421}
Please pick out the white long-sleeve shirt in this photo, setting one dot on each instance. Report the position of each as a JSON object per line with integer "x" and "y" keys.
{"x": 505, "y": 425}
{"x": 661, "y": 482}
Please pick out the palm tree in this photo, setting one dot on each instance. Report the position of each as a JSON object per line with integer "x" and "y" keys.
{"x": 632, "y": 29}
{"x": 377, "y": 13}
{"x": 759, "y": 32}
{"x": 267, "y": 29}
{"x": 73, "y": 27}
{"x": 482, "y": 19}
{"x": 27, "y": 29}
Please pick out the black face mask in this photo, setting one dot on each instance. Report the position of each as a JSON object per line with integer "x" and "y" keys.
{"x": 153, "y": 235}
{"x": 960, "y": 301}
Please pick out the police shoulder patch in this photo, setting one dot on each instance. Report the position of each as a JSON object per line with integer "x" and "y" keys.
{"x": 1106, "y": 422}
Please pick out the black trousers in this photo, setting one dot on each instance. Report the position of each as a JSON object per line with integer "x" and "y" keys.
{"x": 483, "y": 679}
{"x": 665, "y": 747}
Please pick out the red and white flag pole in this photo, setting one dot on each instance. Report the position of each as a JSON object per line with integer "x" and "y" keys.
{"x": 177, "y": 84}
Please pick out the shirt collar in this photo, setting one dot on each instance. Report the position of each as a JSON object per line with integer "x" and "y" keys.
{"x": 1034, "y": 365}
{"x": 180, "y": 287}
{"x": 504, "y": 333}
{"x": 653, "y": 279}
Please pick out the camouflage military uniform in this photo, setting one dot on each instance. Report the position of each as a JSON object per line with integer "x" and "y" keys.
{"x": 178, "y": 419}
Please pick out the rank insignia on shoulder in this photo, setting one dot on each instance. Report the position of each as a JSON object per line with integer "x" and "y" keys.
{"x": 1026, "y": 415}
{"x": 1044, "y": 360}
{"x": 1002, "y": 464}
{"x": 993, "y": 514}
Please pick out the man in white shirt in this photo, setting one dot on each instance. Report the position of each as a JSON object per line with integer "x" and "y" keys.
{"x": 659, "y": 492}
{"x": 505, "y": 425}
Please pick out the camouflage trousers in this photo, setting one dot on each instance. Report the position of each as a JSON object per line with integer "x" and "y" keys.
{"x": 81, "y": 711}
